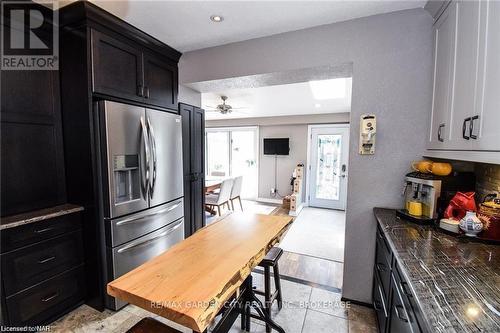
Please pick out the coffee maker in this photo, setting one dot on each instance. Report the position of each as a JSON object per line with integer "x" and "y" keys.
{"x": 433, "y": 193}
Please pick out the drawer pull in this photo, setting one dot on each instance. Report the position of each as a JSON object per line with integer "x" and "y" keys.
{"x": 405, "y": 291}
{"x": 381, "y": 267}
{"x": 377, "y": 305}
{"x": 46, "y": 260}
{"x": 50, "y": 298}
{"x": 403, "y": 318}
{"x": 41, "y": 231}
{"x": 471, "y": 127}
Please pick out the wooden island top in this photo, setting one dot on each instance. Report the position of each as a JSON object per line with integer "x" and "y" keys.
{"x": 189, "y": 283}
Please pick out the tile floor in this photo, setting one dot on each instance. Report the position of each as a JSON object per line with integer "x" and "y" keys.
{"x": 305, "y": 310}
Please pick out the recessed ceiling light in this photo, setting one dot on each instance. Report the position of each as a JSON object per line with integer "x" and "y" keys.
{"x": 216, "y": 18}
{"x": 328, "y": 89}
{"x": 317, "y": 105}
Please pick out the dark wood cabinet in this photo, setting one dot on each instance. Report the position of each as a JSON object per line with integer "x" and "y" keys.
{"x": 160, "y": 82}
{"x": 32, "y": 160}
{"x": 392, "y": 297}
{"x": 125, "y": 70}
{"x": 45, "y": 265}
{"x": 193, "y": 136}
{"x": 116, "y": 68}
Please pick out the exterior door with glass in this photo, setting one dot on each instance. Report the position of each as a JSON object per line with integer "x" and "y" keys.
{"x": 329, "y": 148}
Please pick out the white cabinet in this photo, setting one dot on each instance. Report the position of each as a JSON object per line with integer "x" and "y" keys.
{"x": 444, "y": 56}
{"x": 465, "y": 80}
{"x": 466, "y": 94}
{"x": 486, "y": 123}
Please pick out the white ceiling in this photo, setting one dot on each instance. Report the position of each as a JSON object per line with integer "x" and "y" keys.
{"x": 186, "y": 25}
{"x": 277, "y": 100}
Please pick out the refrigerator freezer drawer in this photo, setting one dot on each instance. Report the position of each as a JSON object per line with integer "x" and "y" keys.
{"x": 125, "y": 258}
{"x": 125, "y": 229}
{"x": 133, "y": 254}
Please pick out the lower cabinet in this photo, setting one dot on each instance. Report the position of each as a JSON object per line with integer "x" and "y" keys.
{"x": 43, "y": 270}
{"x": 392, "y": 297}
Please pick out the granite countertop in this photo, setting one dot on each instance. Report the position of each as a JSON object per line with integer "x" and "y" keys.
{"x": 456, "y": 282}
{"x": 38, "y": 215}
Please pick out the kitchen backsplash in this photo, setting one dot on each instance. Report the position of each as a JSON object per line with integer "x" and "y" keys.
{"x": 487, "y": 179}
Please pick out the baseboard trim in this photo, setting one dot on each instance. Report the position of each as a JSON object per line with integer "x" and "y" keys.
{"x": 270, "y": 200}
{"x": 345, "y": 299}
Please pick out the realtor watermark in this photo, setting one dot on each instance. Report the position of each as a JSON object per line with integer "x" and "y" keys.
{"x": 29, "y": 35}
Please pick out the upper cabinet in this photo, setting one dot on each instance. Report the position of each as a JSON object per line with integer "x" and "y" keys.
{"x": 466, "y": 99}
{"x": 485, "y": 123}
{"x": 124, "y": 70}
{"x": 444, "y": 58}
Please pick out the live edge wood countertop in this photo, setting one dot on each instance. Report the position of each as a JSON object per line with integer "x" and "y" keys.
{"x": 189, "y": 283}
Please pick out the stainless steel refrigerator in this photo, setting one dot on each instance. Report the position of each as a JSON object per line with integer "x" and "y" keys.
{"x": 143, "y": 182}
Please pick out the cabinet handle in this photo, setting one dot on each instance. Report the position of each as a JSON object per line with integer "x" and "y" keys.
{"x": 464, "y": 127}
{"x": 43, "y": 261}
{"x": 471, "y": 127}
{"x": 405, "y": 291}
{"x": 146, "y": 92}
{"x": 50, "y": 298}
{"x": 381, "y": 267}
{"x": 140, "y": 91}
{"x": 403, "y": 318}
{"x": 376, "y": 305}
{"x": 440, "y": 139}
{"x": 41, "y": 231}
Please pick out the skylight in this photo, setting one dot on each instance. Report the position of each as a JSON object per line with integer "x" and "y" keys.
{"x": 328, "y": 89}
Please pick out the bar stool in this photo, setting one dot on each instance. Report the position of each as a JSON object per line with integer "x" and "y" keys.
{"x": 147, "y": 325}
{"x": 271, "y": 260}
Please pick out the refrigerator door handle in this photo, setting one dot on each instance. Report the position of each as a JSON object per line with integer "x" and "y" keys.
{"x": 146, "y": 153}
{"x": 153, "y": 153}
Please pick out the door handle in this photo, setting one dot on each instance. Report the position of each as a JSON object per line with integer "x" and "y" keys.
{"x": 440, "y": 139}
{"x": 140, "y": 91}
{"x": 146, "y": 153}
{"x": 141, "y": 218}
{"x": 464, "y": 128}
{"x": 471, "y": 127}
{"x": 153, "y": 153}
{"x": 396, "y": 309}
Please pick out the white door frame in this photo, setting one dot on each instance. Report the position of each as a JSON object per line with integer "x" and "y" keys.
{"x": 236, "y": 128}
{"x": 308, "y": 165}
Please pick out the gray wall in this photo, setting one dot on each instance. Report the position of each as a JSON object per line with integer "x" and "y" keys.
{"x": 285, "y": 164}
{"x": 392, "y": 64}
{"x": 189, "y": 96}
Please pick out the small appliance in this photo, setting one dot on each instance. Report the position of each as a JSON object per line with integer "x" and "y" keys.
{"x": 433, "y": 193}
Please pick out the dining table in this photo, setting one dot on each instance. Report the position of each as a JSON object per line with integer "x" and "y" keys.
{"x": 212, "y": 185}
{"x": 207, "y": 275}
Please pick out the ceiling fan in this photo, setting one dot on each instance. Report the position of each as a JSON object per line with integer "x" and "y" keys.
{"x": 223, "y": 108}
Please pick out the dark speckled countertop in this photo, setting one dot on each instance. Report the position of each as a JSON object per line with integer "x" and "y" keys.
{"x": 456, "y": 282}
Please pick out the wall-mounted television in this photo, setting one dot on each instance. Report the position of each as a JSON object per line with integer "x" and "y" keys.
{"x": 276, "y": 146}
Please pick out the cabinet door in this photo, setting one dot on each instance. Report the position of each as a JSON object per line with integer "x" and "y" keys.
{"x": 186, "y": 112}
{"x": 198, "y": 167}
{"x": 400, "y": 316}
{"x": 160, "y": 81}
{"x": 485, "y": 131}
{"x": 465, "y": 81}
{"x": 444, "y": 63}
{"x": 116, "y": 68}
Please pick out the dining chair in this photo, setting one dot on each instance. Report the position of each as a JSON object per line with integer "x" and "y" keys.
{"x": 236, "y": 191}
{"x": 222, "y": 198}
